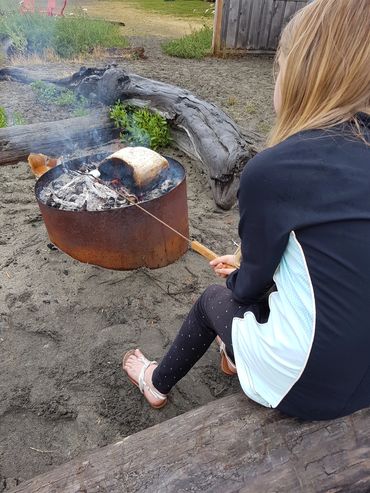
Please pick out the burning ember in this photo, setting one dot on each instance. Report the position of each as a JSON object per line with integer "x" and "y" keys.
{"x": 112, "y": 183}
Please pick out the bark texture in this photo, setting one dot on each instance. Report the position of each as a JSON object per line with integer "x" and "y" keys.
{"x": 230, "y": 445}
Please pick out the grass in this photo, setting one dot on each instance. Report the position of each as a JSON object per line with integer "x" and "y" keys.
{"x": 251, "y": 108}
{"x": 50, "y": 94}
{"x": 195, "y": 45}
{"x": 66, "y": 36}
{"x": 176, "y": 8}
{"x": 264, "y": 127}
{"x": 3, "y": 118}
{"x": 18, "y": 118}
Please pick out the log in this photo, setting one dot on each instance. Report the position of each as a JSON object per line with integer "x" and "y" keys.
{"x": 55, "y": 138}
{"x": 230, "y": 445}
{"x": 200, "y": 129}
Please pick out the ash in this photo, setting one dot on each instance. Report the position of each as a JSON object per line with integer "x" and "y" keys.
{"x": 76, "y": 191}
{"x": 161, "y": 189}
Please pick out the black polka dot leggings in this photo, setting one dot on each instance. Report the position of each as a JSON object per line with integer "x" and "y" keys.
{"x": 211, "y": 315}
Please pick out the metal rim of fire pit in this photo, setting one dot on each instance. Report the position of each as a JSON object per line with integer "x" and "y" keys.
{"x": 123, "y": 238}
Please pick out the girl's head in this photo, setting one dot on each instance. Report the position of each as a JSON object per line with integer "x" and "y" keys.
{"x": 324, "y": 67}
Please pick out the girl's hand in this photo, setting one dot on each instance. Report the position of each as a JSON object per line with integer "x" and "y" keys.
{"x": 223, "y": 266}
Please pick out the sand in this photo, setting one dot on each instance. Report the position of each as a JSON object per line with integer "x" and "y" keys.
{"x": 64, "y": 325}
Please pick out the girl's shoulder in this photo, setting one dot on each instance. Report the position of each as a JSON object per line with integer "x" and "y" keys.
{"x": 313, "y": 149}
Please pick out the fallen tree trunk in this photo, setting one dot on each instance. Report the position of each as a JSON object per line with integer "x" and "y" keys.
{"x": 230, "y": 445}
{"x": 55, "y": 138}
{"x": 200, "y": 129}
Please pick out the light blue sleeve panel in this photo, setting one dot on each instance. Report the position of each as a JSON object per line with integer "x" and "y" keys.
{"x": 271, "y": 357}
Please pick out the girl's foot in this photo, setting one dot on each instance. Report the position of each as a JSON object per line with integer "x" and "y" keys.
{"x": 140, "y": 370}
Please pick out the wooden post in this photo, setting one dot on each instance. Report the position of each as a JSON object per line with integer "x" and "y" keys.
{"x": 217, "y": 28}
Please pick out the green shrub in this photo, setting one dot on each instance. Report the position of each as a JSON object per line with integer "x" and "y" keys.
{"x": 66, "y": 36}
{"x": 3, "y": 118}
{"x": 195, "y": 45}
{"x": 140, "y": 126}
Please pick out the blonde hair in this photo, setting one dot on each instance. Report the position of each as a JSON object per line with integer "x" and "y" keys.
{"x": 326, "y": 79}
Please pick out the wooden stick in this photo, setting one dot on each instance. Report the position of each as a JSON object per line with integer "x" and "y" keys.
{"x": 195, "y": 245}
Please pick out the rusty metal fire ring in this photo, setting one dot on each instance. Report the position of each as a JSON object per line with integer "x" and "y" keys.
{"x": 124, "y": 238}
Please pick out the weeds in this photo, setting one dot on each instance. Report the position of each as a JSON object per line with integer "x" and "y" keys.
{"x": 80, "y": 112}
{"x": 18, "y": 118}
{"x": 3, "y": 118}
{"x": 65, "y": 36}
{"x": 140, "y": 126}
{"x": 264, "y": 127}
{"x": 231, "y": 101}
{"x": 251, "y": 108}
{"x": 195, "y": 45}
{"x": 50, "y": 94}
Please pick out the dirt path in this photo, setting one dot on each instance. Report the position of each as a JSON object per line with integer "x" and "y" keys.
{"x": 64, "y": 325}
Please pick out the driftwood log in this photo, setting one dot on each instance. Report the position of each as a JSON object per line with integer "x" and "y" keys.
{"x": 230, "y": 445}
{"x": 200, "y": 129}
{"x": 55, "y": 138}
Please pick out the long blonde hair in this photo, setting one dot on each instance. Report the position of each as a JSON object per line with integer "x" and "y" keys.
{"x": 326, "y": 79}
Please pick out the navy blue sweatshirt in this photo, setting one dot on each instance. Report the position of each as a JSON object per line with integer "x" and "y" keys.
{"x": 317, "y": 184}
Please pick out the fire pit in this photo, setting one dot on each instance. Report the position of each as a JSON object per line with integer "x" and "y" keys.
{"x": 109, "y": 231}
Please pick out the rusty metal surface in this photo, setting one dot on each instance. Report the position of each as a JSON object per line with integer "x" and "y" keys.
{"x": 124, "y": 238}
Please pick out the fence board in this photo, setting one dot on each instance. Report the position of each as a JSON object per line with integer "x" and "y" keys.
{"x": 244, "y": 24}
{"x": 276, "y": 24}
{"x": 252, "y": 25}
{"x": 233, "y": 22}
{"x": 265, "y": 25}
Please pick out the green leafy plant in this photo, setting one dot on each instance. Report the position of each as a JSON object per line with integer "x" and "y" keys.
{"x": 3, "y": 118}
{"x": 195, "y": 45}
{"x": 140, "y": 126}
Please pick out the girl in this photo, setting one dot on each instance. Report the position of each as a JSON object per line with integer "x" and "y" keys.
{"x": 295, "y": 315}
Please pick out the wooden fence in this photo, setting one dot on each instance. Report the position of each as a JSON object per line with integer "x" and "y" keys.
{"x": 251, "y": 25}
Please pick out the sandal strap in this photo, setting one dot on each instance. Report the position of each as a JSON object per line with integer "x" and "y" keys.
{"x": 141, "y": 380}
{"x": 155, "y": 393}
{"x": 143, "y": 384}
{"x": 223, "y": 351}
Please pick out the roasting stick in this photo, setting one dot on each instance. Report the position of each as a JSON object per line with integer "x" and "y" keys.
{"x": 195, "y": 245}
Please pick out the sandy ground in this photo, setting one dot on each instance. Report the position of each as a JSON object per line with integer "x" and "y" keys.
{"x": 64, "y": 325}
